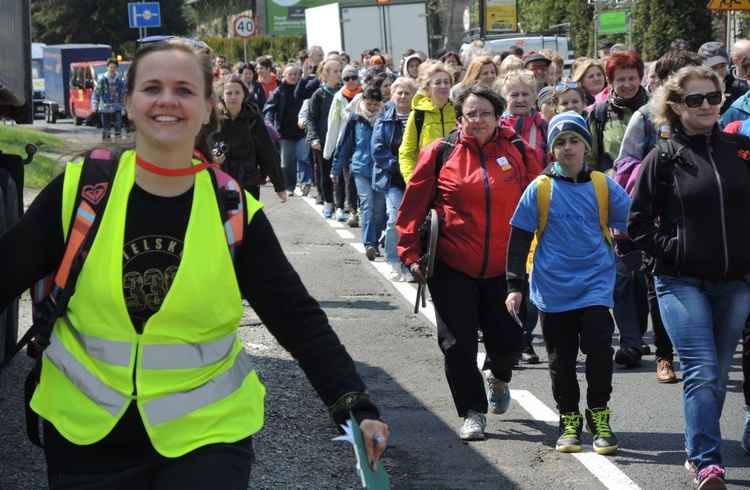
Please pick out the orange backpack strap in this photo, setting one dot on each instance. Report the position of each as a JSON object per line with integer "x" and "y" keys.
{"x": 50, "y": 295}
{"x": 233, "y": 208}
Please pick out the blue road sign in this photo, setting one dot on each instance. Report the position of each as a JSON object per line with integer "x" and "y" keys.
{"x": 144, "y": 14}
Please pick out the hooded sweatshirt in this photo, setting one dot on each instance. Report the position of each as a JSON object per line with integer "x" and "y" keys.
{"x": 437, "y": 124}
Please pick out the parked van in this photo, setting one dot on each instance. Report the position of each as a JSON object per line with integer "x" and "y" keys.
{"x": 528, "y": 42}
{"x": 83, "y": 78}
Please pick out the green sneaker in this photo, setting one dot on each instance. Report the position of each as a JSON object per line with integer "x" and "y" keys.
{"x": 597, "y": 422}
{"x": 571, "y": 425}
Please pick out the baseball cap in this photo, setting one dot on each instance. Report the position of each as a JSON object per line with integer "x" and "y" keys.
{"x": 536, "y": 57}
{"x": 714, "y": 53}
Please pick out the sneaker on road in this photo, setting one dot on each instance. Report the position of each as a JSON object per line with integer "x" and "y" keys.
{"x": 305, "y": 190}
{"x": 597, "y": 422}
{"x": 571, "y": 425}
{"x": 474, "y": 426}
{"x": 498, "y": 395}
{"x": 711, "y": 478}
{"x": 328, "y": 210}
{"x": 353, "y": 221}
{"x": 340, "y": 216}
{"x": 370, "y": 252}
{"x": 395, "y": 273}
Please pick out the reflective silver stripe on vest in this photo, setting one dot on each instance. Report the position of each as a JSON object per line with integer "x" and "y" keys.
{"x": 175, "y": 405}
{"x": 110, "y": 351}
{"x": 187, "y": 356}
{"x": 104, "y": 396}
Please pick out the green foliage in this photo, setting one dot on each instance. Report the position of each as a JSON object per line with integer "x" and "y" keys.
{"x": 46, "y": 164}
{"x": 93, "y": 21}
{"x": 282, "y": 48}
{"x": 655, "y": 23}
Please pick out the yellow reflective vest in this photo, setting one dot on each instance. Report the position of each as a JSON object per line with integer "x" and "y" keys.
{"x": 188, "y": 372}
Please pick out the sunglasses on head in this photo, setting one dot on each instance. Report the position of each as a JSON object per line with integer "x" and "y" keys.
{"x": 696, "y": 100}
{"x": 156, "y": 39}
{"x": 562, "y": 86}
{"x": 350, "y": 78}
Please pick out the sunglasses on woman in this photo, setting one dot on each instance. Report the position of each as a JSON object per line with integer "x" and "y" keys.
{"x": 696, "y": 100}
{"x": 350, "y": 78}
{"x": 562, "y": 86}
{"x": 156, "y": 39}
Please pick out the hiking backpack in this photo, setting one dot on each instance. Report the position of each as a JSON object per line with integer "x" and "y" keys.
{"x": 543, "y": 197}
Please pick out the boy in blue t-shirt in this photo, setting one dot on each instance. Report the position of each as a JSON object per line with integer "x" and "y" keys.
{"x": 572, "y": 279}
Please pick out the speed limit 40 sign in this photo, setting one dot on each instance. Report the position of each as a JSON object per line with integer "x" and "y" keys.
{"x": 244, "y": 26}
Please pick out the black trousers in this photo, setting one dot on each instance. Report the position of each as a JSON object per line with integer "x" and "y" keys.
{"x": 591, "y": 328}
{"x": 322, "y": 171}
{"x": 225, "y": 466}
{"x": 461, "y": 304}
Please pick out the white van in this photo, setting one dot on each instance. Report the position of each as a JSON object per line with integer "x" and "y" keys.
{"x": 529, "y": 42}
{"x": 37, "y": 75}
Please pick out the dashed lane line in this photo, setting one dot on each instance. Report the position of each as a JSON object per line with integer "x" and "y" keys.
{"x": 599, "y": 466}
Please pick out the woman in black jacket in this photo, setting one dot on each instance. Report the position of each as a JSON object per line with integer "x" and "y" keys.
{"x": 317, "y": 128}
{"x": 247, "y": 73}
{"x": 690, "y": 211}
{"x": 250, "y": 154}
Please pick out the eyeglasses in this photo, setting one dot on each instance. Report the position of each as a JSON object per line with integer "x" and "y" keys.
{"x": 696, "y": 100}
{"x": 155, "y": 39}
{"x": 350, "y": 78}
{"x": 562, "y": 86}
{"x": 473, "y": 116}
{"x": 539, "y": 68}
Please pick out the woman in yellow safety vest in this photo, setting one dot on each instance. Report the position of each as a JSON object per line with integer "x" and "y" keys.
{"x": 145, "y": 380}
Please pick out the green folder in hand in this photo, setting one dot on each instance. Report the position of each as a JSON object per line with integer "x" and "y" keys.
{"x": 372, "y": 480}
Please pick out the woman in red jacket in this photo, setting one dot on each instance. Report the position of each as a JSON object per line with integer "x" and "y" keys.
{"x": 474, "y": 192}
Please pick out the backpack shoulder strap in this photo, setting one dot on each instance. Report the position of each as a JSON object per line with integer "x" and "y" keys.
{"x": 543, "y": 196}
{"x": 232, "y": 207}
{"x": 601, "y": 189}
{"x": 600, "y": 117}
{"x": 445, "y": 148}
{"x": 50, "y": 296}
{"x": 518, "y": 143}
{"x": 664, "y": 168}
{"x": 419, "y": 123}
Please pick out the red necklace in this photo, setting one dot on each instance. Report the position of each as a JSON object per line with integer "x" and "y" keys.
{"x": 176, "y": 172}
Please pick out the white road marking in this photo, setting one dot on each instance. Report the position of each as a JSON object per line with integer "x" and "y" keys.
{"x": 599, "y": 466}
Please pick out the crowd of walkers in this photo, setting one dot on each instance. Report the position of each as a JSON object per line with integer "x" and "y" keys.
{"x": 591, "y": 201}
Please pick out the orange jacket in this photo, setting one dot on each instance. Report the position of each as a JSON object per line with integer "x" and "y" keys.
{"x": 475, "y": 196}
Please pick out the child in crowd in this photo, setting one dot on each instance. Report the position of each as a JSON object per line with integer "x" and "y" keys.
{"x": 355, "y": 146}
{"x": 572, "y": 276}
{"x": 569, "y": 96}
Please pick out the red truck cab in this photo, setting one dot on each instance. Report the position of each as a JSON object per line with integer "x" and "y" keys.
{"x": 83, "y": 77}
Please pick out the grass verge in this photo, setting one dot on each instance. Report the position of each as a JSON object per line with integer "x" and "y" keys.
{"x": 46, "y": 164}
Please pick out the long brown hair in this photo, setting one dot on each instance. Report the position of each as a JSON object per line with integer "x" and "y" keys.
{"x": 203, "y": 140}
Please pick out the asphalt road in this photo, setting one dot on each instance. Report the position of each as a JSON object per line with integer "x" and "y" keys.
{"x": 399, "y": 359}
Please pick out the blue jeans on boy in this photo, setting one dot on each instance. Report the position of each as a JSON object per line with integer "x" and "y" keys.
{"x": 393, "y": 199}
{"x": 371, "y": 210}
{"x": 704, "y": 319}
{"x": 107, "y": 119}
{"x": 294, "y": 154}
